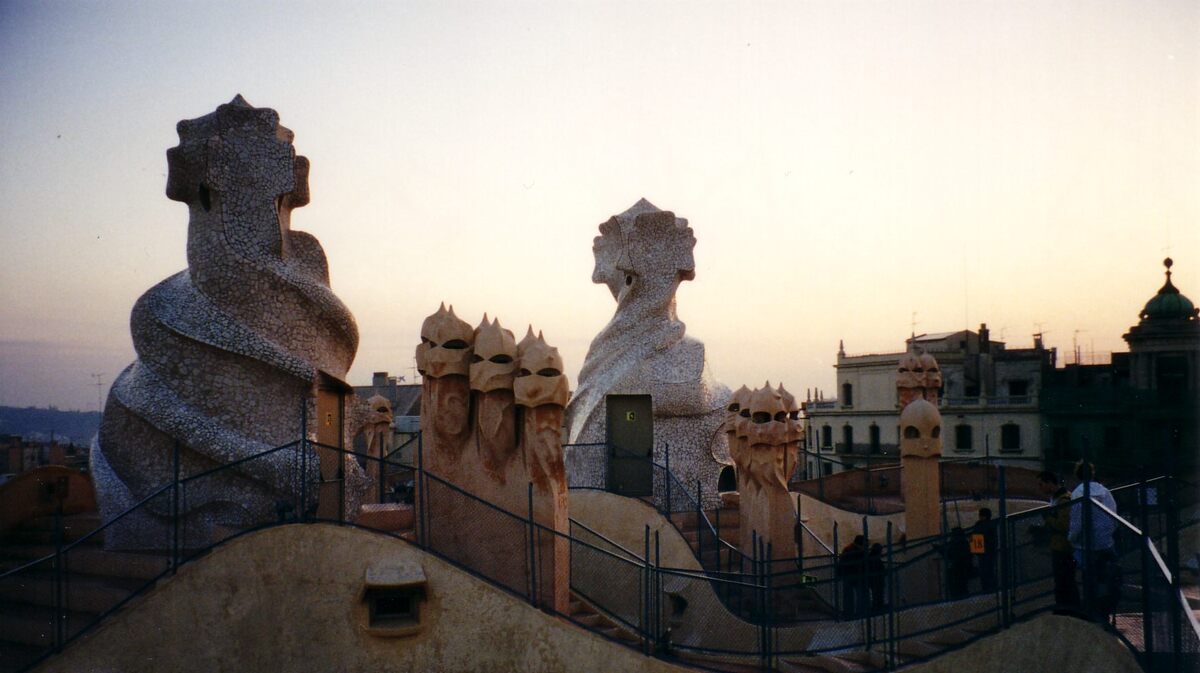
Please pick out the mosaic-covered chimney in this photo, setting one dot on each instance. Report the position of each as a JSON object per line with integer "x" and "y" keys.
{"x": 231, "y": 348}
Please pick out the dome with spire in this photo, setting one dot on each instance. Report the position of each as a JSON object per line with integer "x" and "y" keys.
{"x": 1169, "y": 303}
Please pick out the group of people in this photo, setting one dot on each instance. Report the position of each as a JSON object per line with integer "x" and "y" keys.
{"x": 863, "y": 578}
{"x": 1077, "y": 540}
{"x": 1082, "y": 539}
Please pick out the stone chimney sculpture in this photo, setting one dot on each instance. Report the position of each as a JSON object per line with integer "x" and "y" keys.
{"x": 767, "y": 511}
{"x": 642, "y": 256}
{"x": 229, "y": 347}
{"x": 918, "y": 380}
{"x": 378, "y": 430}
{"x": 491, "y": 416}
{"x": 737, "y": 413}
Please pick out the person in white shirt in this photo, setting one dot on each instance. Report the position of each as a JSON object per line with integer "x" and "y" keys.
{"x": 1095, "y": 551}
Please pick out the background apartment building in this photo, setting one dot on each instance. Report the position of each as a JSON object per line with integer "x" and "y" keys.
{"x": 989, "y": 402}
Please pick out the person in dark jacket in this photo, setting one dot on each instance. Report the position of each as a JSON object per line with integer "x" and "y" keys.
{"x": 958, "y": 563}
{"x": 1056, "y": 524}
{"x": 876, "y": 577}
{"x": 985, "y": 528}
{"x": 851, "y": 570}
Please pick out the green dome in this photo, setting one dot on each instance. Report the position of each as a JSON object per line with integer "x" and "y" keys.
{"x": 1169, "y": 304}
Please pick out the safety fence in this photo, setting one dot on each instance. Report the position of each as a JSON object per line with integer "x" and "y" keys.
{"x": 884, "y": 600}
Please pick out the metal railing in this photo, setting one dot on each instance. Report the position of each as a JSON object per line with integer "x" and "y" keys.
{"x": 748, "y": 611}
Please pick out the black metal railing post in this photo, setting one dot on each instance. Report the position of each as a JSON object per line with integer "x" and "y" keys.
{"x": 820, "y": 478}
{"x": 175, "y": 511}
{"x": 303, "y": 459}
{"x": 661, "y": 643}
{"x": 341, "y": 477}
{"x": 798, "y": 538}
{"x": 757, "y": 614}
{"x": 341, "y": 462}
{"x": 1174, "y": 609}
{"x": 1000, "y": 531}
{"x": 863, "y": 598}
{"x": 422, "y": 487}
{"x": 718, "y": 540}
{"x": 667, "y": 479}
{"x": 59, "y": 599}
{"x": 868, "y": 485}
{"x": 1087, "y": 474}
{"x": 609, "y": 454}
{"x": 1147, "y": 604}
{"x": 382, "y": 470}
{"x": 769, "y": 600}
{"x": 648, "y": 642}
{"x": 533, "y": 580}
{"x": 890, "y": 592}
{"x": 840, "y": 577}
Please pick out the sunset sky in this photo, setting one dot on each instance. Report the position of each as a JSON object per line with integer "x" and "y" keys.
{"x": 843, "y": 165}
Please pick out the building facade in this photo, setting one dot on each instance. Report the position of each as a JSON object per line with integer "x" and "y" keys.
{"x": 989, "y": 402}
{"x": 1139, "y": 414}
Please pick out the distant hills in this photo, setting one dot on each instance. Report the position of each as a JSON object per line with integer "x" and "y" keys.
{"x": 37, "y": 424}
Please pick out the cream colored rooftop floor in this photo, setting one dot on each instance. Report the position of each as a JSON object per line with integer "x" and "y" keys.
{"x": 287, "y": 599}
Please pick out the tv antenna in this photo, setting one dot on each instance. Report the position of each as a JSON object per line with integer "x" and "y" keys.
{"x": 98, "y": 377}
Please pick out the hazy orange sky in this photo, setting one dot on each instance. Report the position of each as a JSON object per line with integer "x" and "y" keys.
{"x": 843, "y": 165}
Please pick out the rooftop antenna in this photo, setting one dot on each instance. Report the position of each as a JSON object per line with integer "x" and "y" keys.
{"x": 98, "y": 377}
{"x": 914, "y": 324}
{"x": 1075, "y": 344}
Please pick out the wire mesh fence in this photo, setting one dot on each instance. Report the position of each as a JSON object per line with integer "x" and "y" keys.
{"x": 881, "y": 597}
{"x": 476, "y": 534}
{"x": 37, "y": 586}
{"x": 610, "y": 578}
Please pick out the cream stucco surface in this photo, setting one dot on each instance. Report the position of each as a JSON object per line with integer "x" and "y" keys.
{"x": 623, "y": 520}
{"x": 1049, "y": 644}
{"x": 287, "y": 599}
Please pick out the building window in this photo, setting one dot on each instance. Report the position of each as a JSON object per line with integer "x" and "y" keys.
{"x": 826, "y": 468}
{"x": 1018, "y": 388}
{"x": 847, "y": 438}
{"x": 826, "y": 437}
{"x": 847, "y": 395}
{"x": 962, "y": 438}
{"x": 873, "y": 435}
{"x": 1010, "y": 437}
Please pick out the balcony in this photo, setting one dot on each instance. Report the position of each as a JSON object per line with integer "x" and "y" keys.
{"x": 994, "y": 402}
